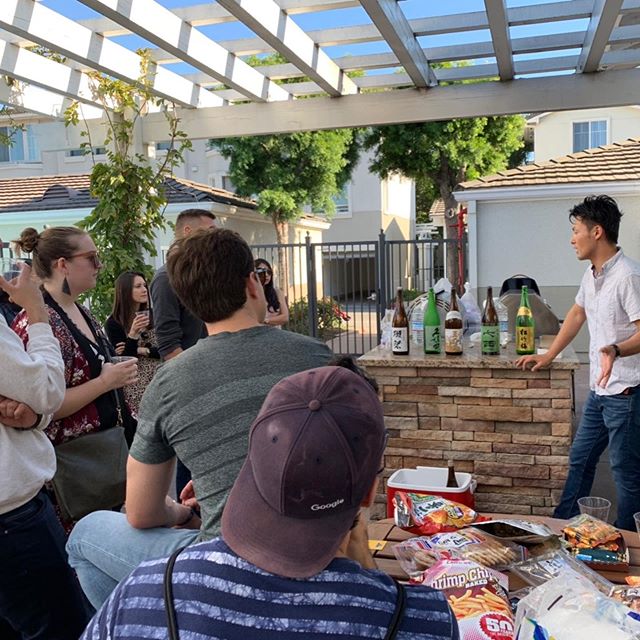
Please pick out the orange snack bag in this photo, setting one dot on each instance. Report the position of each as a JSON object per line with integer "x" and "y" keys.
{"x": 426, "y": 514}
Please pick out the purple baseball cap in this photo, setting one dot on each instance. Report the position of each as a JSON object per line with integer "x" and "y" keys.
{"x": 314, "y": 451}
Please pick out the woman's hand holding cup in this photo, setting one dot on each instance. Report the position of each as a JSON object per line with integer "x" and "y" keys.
{"x": 121, "y": 371}
{"x": 139, "y": 324}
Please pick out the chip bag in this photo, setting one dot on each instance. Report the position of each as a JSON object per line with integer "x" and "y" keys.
{"x": 426, "y": 514}
{"x": 417, "y": 554}
{"x": 477, "y": 596}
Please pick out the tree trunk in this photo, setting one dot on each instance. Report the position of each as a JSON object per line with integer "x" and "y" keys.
{"x": 282, "y": 268}
{"x": 450, "y": 232}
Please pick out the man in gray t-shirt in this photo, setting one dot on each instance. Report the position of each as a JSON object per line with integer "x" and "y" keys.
{"x": 199, "y": 407}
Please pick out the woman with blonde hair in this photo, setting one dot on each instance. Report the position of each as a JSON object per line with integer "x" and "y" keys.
{"x": 67, "y": 262}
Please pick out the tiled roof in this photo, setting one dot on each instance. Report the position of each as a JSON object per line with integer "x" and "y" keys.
{"x": 437, "y": 208}
{"x": 610, "y": 163}
{"x": 48, "y": 193}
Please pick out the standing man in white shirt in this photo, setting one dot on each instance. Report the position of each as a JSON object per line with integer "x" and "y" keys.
{"x": 40, "y": 597}
{"x": 609, "y": 300}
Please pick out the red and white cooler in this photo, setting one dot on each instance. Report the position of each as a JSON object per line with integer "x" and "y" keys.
{"x": 432, "y": 481}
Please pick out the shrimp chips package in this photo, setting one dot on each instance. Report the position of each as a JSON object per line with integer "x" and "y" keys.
{"x": 477, "y": 596}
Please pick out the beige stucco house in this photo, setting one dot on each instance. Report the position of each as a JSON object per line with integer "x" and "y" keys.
{"x": 518, "y": 219}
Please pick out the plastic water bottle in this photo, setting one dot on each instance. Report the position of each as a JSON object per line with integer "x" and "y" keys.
{"x": 416, "y": 324}
{"x": 503, "y": 320}
{"x": 472, "y": 313}
{"x": 385, "y": 330}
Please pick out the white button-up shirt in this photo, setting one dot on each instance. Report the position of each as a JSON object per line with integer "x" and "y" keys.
{"x": 611, "y": 300}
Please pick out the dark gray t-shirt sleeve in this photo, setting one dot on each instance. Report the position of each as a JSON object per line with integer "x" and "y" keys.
{"x": 149, "y": 444}
{"x": 166, "y": 314}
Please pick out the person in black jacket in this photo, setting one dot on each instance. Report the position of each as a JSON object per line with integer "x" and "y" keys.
{"x": 130, "y": 330}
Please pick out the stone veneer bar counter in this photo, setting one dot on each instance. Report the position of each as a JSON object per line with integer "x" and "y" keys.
{"x": 510, "y": 428}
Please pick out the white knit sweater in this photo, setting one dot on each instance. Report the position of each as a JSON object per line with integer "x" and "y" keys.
{"x": 35, "y": 377}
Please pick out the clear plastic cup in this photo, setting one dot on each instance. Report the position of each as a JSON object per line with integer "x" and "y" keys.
{"x": 596, "y": 507}
{"x": 9, "y": 268}
{"x": 636, "y": 517}
{"x": 119, "y": 359}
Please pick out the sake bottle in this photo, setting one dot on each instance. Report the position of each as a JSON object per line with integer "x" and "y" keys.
{"x": 453, "y": 328}
{"x": 431, "y": 325}
{"x": 525, "y": 326}
{"x": 490, "y": 331}
{"x": 400, "y": 328}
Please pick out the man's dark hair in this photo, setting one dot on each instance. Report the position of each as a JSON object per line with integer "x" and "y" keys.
{"x": 208, "y": 271}
{"x": 599, "y": 210}
{"x": 192, "y": 214}
{"x": 347, "y": 362}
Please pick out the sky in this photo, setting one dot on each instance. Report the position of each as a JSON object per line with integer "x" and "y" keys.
{"x": 344, "y": 17}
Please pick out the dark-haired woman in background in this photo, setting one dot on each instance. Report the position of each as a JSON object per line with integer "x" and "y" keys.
{"x": 277, "y": 310}
{"x": 130, "y": 330}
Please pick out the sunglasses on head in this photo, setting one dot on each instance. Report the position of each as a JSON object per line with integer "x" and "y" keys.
{"x": 263, "y": 272}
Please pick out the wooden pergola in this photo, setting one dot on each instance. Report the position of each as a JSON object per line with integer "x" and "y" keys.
{"x": 593, "y": 64}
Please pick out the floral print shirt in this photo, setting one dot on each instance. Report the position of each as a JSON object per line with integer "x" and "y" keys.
{"x": 76, "y": 371}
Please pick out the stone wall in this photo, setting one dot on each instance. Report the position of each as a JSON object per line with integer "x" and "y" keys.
{"x": 510, "y": 428}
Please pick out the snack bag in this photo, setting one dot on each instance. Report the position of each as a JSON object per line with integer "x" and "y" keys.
{"x": 517, "y": 530}
{"x": 426, "y": 514}
{"x": 629, "y": 596}
{"x": 570, "y": 608}
{"x": 417, "y": 554}
{"x": 633, "y": 581}
{"x": 586, "y": 532}
{"x": 477, "y": 596}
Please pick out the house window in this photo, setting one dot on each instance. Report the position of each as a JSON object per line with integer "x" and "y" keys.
{"x": 341, "y": 201}
{"x": 588, "y": 135}
{"x": 227, "y": 185}
{"x": 78, "y": 153}
{"x": 165, "y": 145}
{"x": 24, "y": 147}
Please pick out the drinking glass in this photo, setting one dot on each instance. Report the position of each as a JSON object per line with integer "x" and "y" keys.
{"x": 119, "y": 359}
{"x": 636, "y": 517}
{"x": 9, "y": 268}
{"x": 596, "y": 507}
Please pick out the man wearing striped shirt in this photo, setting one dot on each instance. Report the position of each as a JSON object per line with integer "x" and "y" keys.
{"x": 285, "y": 566}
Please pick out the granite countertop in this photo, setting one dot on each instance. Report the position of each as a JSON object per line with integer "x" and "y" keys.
{"x": 471, "y": 358}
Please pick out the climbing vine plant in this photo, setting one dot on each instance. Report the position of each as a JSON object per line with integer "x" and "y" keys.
{"x": 129, "y": 186}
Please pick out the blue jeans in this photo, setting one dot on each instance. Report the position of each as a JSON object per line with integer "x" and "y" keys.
{"x": 104, "y": 549}
{"x": 39, "y": 595}
{"x": 612, "y": 421}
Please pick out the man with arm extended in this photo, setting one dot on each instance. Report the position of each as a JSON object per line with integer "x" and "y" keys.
{"x": 293, "y": 559}
{"x": 609, "y": 300}
{"x": 198, "y": 407}
{"x": 39, "y": 595}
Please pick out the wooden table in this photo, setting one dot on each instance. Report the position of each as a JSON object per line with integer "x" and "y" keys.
{"x": 386, "y": 560}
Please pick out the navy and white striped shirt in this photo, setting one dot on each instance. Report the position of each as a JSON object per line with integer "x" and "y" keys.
{"x": 217, "y": 594}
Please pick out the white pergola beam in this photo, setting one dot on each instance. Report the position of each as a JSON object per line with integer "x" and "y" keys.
{"x": 273, "y": 25}
{"x": 46, "y": 73}
{"x": 559, "y": 93}
{"x": 41, "y": 101}
{"x": 605, "y": 17}
{"x": 499, "y": 27}
{"x": 392, "y": 24}
{"x": 153, "y": 22}
{"x": 36, "y": 23}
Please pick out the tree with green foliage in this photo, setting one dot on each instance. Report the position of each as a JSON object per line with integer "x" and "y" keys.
{"x": 128, "y": 186}
{"x": 440, "y": 155}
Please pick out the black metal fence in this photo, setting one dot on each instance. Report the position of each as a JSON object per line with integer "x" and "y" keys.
{"x": 338, "y": 291}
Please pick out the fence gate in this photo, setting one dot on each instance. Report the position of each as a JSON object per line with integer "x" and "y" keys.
{"x": 338, "y": 291}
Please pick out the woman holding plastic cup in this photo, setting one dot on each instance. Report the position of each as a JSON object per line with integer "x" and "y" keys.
{"x": 67, "y": 262}
{"x": 130, "y": 330}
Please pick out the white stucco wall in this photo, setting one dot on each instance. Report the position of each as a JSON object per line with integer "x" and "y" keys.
{"x": 553, "y": 135}
{"x": 532, "y": 236}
